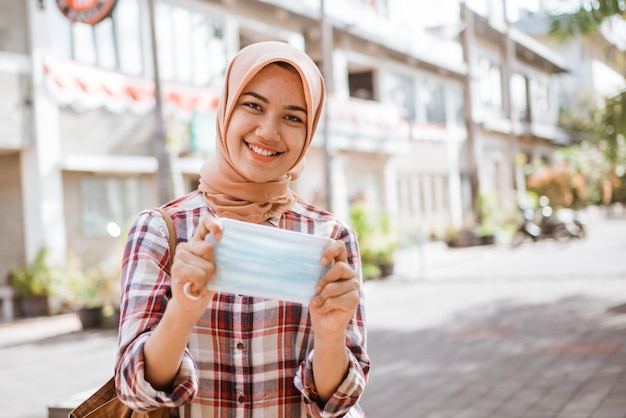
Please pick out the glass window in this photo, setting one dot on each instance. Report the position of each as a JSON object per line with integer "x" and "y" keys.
{"x": 361, "y": 84}
{"x": 164, "y": 35}
{"x": 401, "y": 92}
{"x": 540, "y": 96}
{"x": 84, "y": 45}
{"x": 518, "y": 95}
{"x": 181, "y": 20}
{"x": 458, "y": 106}
{"x": 61, "y": 40}
{"x": 105, "y": 45}
{"x": 109, "y": 203}
{"x": 490, "y": 84}
{"x": 200, "y": 44}
{"x": 127, "y": 26}
{"x": 434, "y": 101}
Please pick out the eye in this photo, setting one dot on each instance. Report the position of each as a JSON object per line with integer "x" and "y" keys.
{"x": 252, "y": 105}
{"x": 294, "y": 118}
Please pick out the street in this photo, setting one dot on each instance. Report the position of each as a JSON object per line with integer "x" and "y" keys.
{"x": 484, "y": 332}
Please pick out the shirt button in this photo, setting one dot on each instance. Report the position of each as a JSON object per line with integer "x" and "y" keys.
{"x": 241, "y": 398}
{"x": 240, "y": 345}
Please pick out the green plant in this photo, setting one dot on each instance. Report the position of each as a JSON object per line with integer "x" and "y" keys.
{"x": 377, "y": 241}
{"x": 35, "y": 279}
{"x": 90, "y": 287}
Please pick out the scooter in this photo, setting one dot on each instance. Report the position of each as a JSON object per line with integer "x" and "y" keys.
{"x": 549, "y": 226}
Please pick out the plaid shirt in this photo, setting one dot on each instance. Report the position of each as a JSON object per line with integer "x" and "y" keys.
{"x": 247, "y": 356}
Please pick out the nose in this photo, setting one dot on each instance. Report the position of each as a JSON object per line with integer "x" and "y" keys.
{"x": 268, "y": 129}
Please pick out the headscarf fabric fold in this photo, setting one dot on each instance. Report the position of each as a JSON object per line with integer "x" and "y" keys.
{"x": 226, "y": 190}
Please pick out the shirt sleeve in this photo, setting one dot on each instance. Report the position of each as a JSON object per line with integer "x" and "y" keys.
{"x": 145, "y": 293}
{"x": 344, "y": 401}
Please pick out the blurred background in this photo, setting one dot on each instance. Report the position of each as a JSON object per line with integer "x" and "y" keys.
{"x": 460, "y": 121}
{"x": 474, "y": 124}
{"x": 444, "y": 121}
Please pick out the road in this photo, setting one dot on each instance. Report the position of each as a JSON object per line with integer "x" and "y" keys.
{"x": 484, "y": 332}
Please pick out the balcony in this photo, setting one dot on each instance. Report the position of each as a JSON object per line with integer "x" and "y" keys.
{"x": 366, "y": 126}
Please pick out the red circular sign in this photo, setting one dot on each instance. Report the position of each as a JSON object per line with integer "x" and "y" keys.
{"x": 86, "y": 11}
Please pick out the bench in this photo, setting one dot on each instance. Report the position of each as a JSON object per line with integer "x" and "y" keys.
{"x": 6, "y": 296}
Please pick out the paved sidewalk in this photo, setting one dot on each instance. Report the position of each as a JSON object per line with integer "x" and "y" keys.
{"x": 484, "y": 332}
{"x": 532, "y": 350}
{"x": 24, "y": 331}
{"x": 491, "y": 332}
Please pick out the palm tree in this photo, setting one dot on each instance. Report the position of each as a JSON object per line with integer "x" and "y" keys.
{"x": 587, "y": 20}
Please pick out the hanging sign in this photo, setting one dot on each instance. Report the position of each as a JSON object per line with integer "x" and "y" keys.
{"x": 86, "y": 11}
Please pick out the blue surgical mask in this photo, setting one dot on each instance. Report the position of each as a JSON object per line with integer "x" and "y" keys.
{"x": 259, "y": 260}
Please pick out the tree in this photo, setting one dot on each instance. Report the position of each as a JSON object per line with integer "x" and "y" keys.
{"x": 587, "y": 19}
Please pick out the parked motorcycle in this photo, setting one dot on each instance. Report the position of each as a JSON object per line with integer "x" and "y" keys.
{"x": 562, "y": 227}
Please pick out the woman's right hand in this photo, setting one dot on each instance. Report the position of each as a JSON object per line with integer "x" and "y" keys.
{"x": 194, "y": 266}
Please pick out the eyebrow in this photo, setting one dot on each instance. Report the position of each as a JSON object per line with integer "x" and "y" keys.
{"x": 264, "y": 100}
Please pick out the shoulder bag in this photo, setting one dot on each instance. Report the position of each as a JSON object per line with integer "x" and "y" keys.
{"x": 104, "y": 403}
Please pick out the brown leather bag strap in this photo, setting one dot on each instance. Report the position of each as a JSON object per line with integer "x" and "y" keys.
{"x": 171, "y": 234}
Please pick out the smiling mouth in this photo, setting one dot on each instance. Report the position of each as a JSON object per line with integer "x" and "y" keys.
{"x": 261, "y": 151}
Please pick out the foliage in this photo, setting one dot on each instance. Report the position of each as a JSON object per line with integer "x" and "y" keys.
{"x": 582, "y": 175}
{"x": 377, "y": 240}
{"x": 584, "y": 20}
{"x": 90, "y": 287}
{"x": 608, "y": 123}
{"x": 35, "y": 279}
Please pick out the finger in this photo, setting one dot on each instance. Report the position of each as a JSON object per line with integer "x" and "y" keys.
{"x": 342, "y": 298}
{"x": 337, "y": 287}
{"x": 338, "y": 272}
{"x": 199, "y": 248}
{"x": 336, "y": 251}
{"x": 208, "y": 225}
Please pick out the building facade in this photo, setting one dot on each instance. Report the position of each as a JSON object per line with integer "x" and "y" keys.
{"x": 419, "y": 121}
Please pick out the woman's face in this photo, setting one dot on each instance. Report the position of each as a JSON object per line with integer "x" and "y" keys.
{"x": 267, "y": 128}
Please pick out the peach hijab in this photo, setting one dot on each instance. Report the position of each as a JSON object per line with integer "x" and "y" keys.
{"x": 225, "y": 189}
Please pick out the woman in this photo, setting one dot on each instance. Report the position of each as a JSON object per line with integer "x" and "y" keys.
{"x": 218, "y": 354}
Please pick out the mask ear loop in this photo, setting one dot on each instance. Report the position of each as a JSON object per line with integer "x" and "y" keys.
{"x": 188, "y": 293}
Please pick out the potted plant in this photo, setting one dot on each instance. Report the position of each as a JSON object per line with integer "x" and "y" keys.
{"x": 385, "y": 244}
{"x": 92, "y": 293}
{"x": 377, "y": 242}
{"x": 33, "y": 284}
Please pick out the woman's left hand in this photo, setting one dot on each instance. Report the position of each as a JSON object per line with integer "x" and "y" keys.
{"x": 337, "y": 295}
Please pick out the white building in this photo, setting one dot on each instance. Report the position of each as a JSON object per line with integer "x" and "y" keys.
{"x": 77, "y": 154}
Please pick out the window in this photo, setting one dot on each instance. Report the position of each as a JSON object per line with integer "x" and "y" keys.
{"x": 127, "y": 37}
{"x": 458, "y": 106}
{"x": 83, "y": 39}
{"x": 434, "y": 101}
{"x": 191, "y": 48}
{"x": 518, "y": 96}
{"x": 190, "y": 45}
{"x": 401, "y": 90}
{"x": 490, "y": 84}
{"x": 361, "y": 85}
{"x": 540, "y": 96}
{"x": 109, "y": 203}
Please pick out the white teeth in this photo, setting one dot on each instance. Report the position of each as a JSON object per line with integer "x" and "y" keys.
{"x": 261, "y": 151}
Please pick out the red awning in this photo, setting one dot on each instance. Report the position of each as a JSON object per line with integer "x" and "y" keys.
{"x": 85, "y": 87}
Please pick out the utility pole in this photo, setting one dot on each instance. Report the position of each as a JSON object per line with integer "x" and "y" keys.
{"x": 327, "y": 72}
{"x": 163, "y": 175}
{"x": 513, "y": 145}
{"x": 473, "y": 148}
